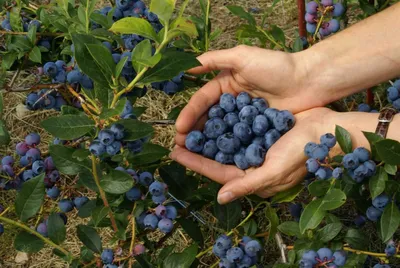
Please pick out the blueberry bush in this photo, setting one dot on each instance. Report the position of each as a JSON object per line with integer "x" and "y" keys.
{"x": 92, "y": 64}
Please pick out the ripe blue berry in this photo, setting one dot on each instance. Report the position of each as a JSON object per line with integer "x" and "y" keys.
{"x": 165, "y": 225}
{"x": 107, "y": 256}
{"x": 320, "y": 174}
{"x": 337, "y": 173}
{"x": 240, "y": 161}
{"x": 156, "y": 188}
{"x": 311, "y": 256}
{"x": 54, "y": 175}
{"x": 295, "y": 210}
{"x": 128, "y": 109}
{"x": 338, "y": 10}
{"x": 333, "y": 25}
{"x": 171, "y": 212}
{"x": 392, "y": 94}
{"x": 118, "y": 131}
{"x": 23, "y": 162}
{"x": 325, "y": 254}
{"x": 350, "y": 161}
{"x": 195, "y": 141}
{"x": 210, "y": 149}
{"x": 311, "y": 27}
{"x": 160, "y": 211}
{"x": 305, "y": 264}
{"x": 326, "y": 3}
{"x": 42, "y": 229}
{"x": 106, "y": 137}
{"x": 362, "y": 154}
{"x": 340, "y": 257}
{"x": 32, "y": 139}
{"x": 234, "y": 254}
{"x": 243, "y": 132}
{"x": 243, "y": 99}
{"x": 32, "y": 155}
{"x": 260, "y": 104}
{"x": 7, "y": 160}
{"x": 328, "y": 139}
{"x": 97, "y": 148}
{"x": 228, "y": 143}
{"x": 271, "y": 137}
{"x": 223, "y": 242}
{"x": 146, "y": 178}
{"x": 373, "y": 213}
{"x": 21, "y": 148}
{"x": 49, "y": 164}
{"x": 312, "y": 165}
{"x": 246, "y": 262}
{"x": 133, "y": 194}
{"x": 158, "y": 199}
{"x": 320, "y": 152}
{"x": 1, "y": 229}
{"x": 38, "y": 167}
{"x": 312, "y": 7}
{"x": 50, "y": 69}
{"x": 248, "y": 114}
{"x": 214, "y": 128}
{"x": 227, "y": 102}
{"x": 216, "y": 111}
{"x": 80, "y": 201}
{"x": 360, "y": 220}
{"x": 255, "y": 155}
{"x": 151, "y": 221}
{"x": 260, "y": 125}
{"x": 224, "y": 263}
{"x": 219, "y": 252}
{"x": 231, "y": 119}
{"x": 390, "y": 250}
{"x": 309, "y": 148}
{"x": 66, "y": 205}
{"x": 53, "y": 192}
{"x": 381, "y": 201}
{"x": 27, "y": 175}
{"x": 252, "y": 248}
{"x": 114, "y": 148}
{"x": 8, "y": 170}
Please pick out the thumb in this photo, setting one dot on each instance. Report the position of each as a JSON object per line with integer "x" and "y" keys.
{"x": 220, "y": 60}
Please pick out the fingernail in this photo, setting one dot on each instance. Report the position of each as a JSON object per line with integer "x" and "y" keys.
{"x": 225, "y": 197}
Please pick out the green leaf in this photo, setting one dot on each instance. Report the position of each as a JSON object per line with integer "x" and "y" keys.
{"x": 298, "y": 45}
{"x": 182, "y": 26}
{"x": 390, "y": 169}
{"x": 90, "y": 238}
{"x": 86, "y": 210}
{"x": 344, "y": 139}
{"x": 171, "y": 64}
{"x": 288, "y": 195}
{"x": 141, "y": 56}
{"x": 35, "y": 55}
{"x": 56, "y": 229}
{"x": 312, "y": 215}
{"x": 373, "y": 139}
{"x": 111, "y": 112}
{"x": 19, "y": 43}
{"x": 30, "y": 198}
{"x": 290, "y": 228}
{"x": 378, "y": 182}
{"x": 173, "y": 115}
{"x": 86, "y": 254}
{"x": 193, "y": 230}
{"x": 8, "y": 60}
{"x": 389, "y": 221}
{"x": 270, "y": 214}
{"x": 181, "y": 260}
{"x": 135, "y": 129}
{"x": 15, "y": 20}
{"x": 120, "y": 66}
{"x": 228, "y": 215}
{"x": 4, "y": 135}
{"x": 389, "y": 151}
{"x": 329, "y": 232}
{"x": 98, "y": 214}
{"x": 68, "y": 127}
{"x": 333, "y": 199}
{"x": 250, "y": 228}
{"x": 65, "y": 162}
{"x": 32, "y": 34}
{"x": 133, "y": 25}
{"x": 103, "y": 94}
{"x": 103, "y": 58}
{"x": 102, "y": 20}
{"x": 28, "y": 243}
{"x": 87, "y": 180}
{"x": 240, "y": 12}
{"x": 163, "y": 9}
{"x": 278, "y": 34}
{"x": 149, "y": 154}
{"x": 164, "y": 253}
{"x": 356, "y": 238}
{"x": 85, "y": 61}
{"x": 319, "y": 187}
{"x": 116, "y": 182}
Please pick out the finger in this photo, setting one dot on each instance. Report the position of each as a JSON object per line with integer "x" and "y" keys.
{"x": 180, "y": 138}
{"x": 219, "y": 60}
{"x": 269, "y": 192}
{"x": 207, "y": 167}
{"x": 201, "y": 101}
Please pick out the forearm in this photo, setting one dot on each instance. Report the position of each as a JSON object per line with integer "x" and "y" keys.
{"x": 357, "y": 58}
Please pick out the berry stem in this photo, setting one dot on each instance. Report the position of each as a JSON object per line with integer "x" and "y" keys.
{"x": 207, "y": 17}
{"x": 5, "y": 211}
{"x": 102, "y": 193}
{"x": 356, "y": 251}
{"x": 29, "y": 230}
{"x": 133, "y": 223}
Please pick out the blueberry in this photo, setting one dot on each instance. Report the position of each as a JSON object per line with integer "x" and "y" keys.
{"x": 138, "y": 249}
{"x": 241, "y": 161}
{"x": 210, "y": 149}
{"x": 5, "y": 24}
{"x": 243, "y": 131}
{"x": 333, "y": 25}
{"x": 110, "y": 266}
{"x": 133, "y": 174}
{"x": 133, "y": 194}
{"x": 114, "y": 148}
{"x": 214, "y": 128}
{"x": 381, "y": 201}
{"x": 123, "y": 4}
{"x": 80, "y": 201}
{"x": 32, "y": 139}
{"x": 337, "y": 173}
{"x": 246, "y": 262}
{"x": 259, "y": 141}
{"x": 42, "y": 229}
{"x": 284, "y": 121}
{"x": 160, "y": 211}
{"x": 107, "y": 256}
{"x": 231, "y": 119}
{"x": 228, "y": 143}
{"x": 1, "y": 229}
{"x": 295, "y": 210}
{"x": 311, "y": 27}
{"x": 362, "y": 154}
{"x": 158, "y": 199}
{"x": 156, "y": 188}
{"x": 255, "y": 155}
{"x": 116, "y": 57}
{"x": 59, "y": 103}
{"x": 216, "y": 111}
{"x": 271, "y": 137}
{"x": 320, "y": 152}
{"x": 195, "y": 141}
{"x": 108, "y": 45}
{"x": 252, "y": 248}
{"x": 38, "y": 167}
{"x": 271, "y": 113}
{"x": 118, "y": 131}
{"x": 320, "y": 174}
{"x": 219, "y": 252}
{"x": 23, "y": 162}
{"x": 243, "y": 99}
{"x": 373, "y": 213}
{"x": 53, "y": 192}
{"x": 27, "y": 175}
{"x": 97, "y": 148}
{"x": 248, "y": 114}
{"x": 312, "y": 165}
{"x": 146, "y": 178}
{"x": 224, "y": 263}
{"x": 151, "y": 221}
{"x": 223, "y": 242}
{"x": 33, "y": 102}
{"x": 338, "y": 10}
{"x": 371, "y": 166}
{"x": 359, "y": 220}
{"x": 171, "y": 88}
{"x": 178, "y": 79}
{"x": 260, "y": 104}
{"x": 66, "y": 205}
{"x": 74, "y": 76}
{"x": 32, "y": 155}
{"x": 135, "y": 146}
{"x": 312, "y": 7}
{"x": 350, "y": 161}
{"x": 171, "y": 212}
{"x": 49, "y": 164}
{"x": 234, "y": 254}
{"x": 8, "y": 170}
{"x": 49, "y": 102}
{"x": 140, "y": 219}
{"x": 260, "y": 125}
{"x": 305, "y": 264}
{"x": 325, "y": 254}
{"x": 326, "y": 3}
{"x": 54, "y": 175}
{"x": 7, "y": 160}
{"x": 50, "y": 69}
{"x": 390, "y": 250}
{"x": 106, "y": 137}
{"x": 392, "y": 94}
{"x": 310, "y": 18}
{"x": 328, "y": 139}
{"x": 165, "y": 225}
{"x": 224, "y": 158}
{"x": 227, "y": 102}
{"x": 396, "y": 104}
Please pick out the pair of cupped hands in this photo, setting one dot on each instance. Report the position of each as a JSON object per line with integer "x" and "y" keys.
{"x": 261, "y": 73}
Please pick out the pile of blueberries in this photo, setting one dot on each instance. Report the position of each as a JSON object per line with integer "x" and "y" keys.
{"x": 379, "y": 203}
{"x": 324, "y": 257}
{"x": 393, "y": 94}
{"x": 30, "y": 165}
{"x": 243, "y": 256}
{"x": 240, "y": 131}
{"x": 358, "y": 164}
{"x": 315, "y": 11}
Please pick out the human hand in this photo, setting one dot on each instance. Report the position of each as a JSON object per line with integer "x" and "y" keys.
{"x": 284, "y": 164}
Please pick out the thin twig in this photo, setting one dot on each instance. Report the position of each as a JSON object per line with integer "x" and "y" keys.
{"x": 281, "y": 246}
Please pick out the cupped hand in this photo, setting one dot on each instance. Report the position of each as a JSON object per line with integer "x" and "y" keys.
{"x": 284, "y": 164}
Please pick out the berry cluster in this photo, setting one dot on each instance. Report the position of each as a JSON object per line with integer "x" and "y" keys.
{"x": 393, "y": 94}
{"x": 107, "y": 256}
{"x": 358, "y": 164}
{"x": 324, "y": 257}
{"x": 45, "y": 99}
{"x": 363, "y": 107}
{"x": 379, "y": 203}
{"x": 317, "y": 153}
{"x": 240, "y": 131}
{"x": 243, "y": 256}
{"x": 30, "y": 165}
{"x": 326, "y": 10}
